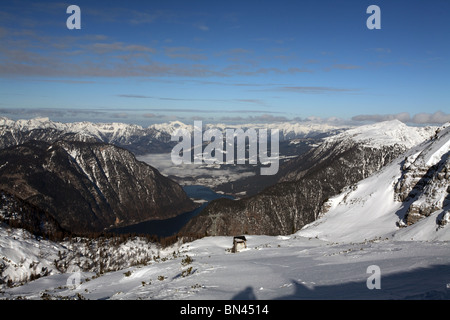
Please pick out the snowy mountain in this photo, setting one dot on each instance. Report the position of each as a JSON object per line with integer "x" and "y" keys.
{"x": 394, "y": 218}
{"x": 306, "y": 182}
{"x": 135, "y": 138}
{"x": 288, "y": 130}
{"x": 139, "y": 140}
{"x": 408, "y": 199}
{"x": 89, "y": 186}
{"x": 386, "y": 133}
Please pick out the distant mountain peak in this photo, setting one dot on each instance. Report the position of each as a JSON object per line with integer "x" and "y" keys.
{"x": 386, "y": 133}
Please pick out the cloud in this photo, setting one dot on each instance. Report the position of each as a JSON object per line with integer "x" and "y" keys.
{"x": 38, "y": 112}
{"x": 65, "y": 81}
{"x": 139, "y": 17}
{"x": 102, "y": 47}
{"x": 346, "y": 66}
{"x": 229, "y": 119}
{"x": 202, "y": 27}
{"x": 177, "y": 110}
{"x": 380, "y": 50}
{"x": 316, "y": 90}
{"x": 438, "y": 117}
{"x": 100, "y": 59}
{"x": 268, "y": 118}
{"x": 233, "y": 51}
{"x": 265, "y": 71}
{"x": 51, "y": 113}
{"x": 137, "y": 96}
{"x": 134, "y": 96}
{"x": 120, "y": 115}
{"x": 54, "y": 67}
{"x": 343, "y": 67}
{"x": 254, "y": 101}
{"x": 28, "y": 53}
{"x": 202, "y": 111}
{"x": 152, "y": 116}
{"x": 198, "y": 118}
{"x": 184, "y": 53}
{"x": 261, "y": 118}
{"x": 404, "y": 117}
{"x": 277, "y": 41}
{"x": 110, "y": 14}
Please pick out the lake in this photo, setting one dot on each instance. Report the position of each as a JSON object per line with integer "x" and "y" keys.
{"x": 168, "y": 227}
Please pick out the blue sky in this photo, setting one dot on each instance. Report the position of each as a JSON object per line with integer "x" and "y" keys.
{"x": 228, "y": 61}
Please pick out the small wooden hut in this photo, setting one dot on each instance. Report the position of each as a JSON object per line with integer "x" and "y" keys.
{"x": 239, "y": 243}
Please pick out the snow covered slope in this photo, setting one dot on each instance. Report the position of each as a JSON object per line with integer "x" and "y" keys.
{"x": 24, "y": 257}
{"x": 289, "y": 267}
{"x": 387, "y": 133}
{"x": 375, "y": 207}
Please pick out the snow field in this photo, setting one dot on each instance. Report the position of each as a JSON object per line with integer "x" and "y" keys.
{"x": 285, "y": 268}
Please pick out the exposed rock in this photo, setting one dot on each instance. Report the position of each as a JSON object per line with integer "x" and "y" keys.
{"x": 424, "y": 185}
{"x": 445, "y": 219}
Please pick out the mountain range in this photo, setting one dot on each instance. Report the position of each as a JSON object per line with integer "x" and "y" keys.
{"x": 350, "y": 199}
{"x": 307, "y": 182}
{"x": 137, "y": 139}
{"x": 95, "y": 175}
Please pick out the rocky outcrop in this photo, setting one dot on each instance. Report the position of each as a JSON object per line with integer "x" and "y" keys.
{"x": 424, "y": 184}
{"x": 89, "y": 186}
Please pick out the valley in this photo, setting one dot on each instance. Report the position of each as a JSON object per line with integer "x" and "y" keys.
{"x": 342, "y": 201}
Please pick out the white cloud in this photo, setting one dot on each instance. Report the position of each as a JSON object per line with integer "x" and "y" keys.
{"x": 404, "y": 117}
{"x": 438, "y": 117}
